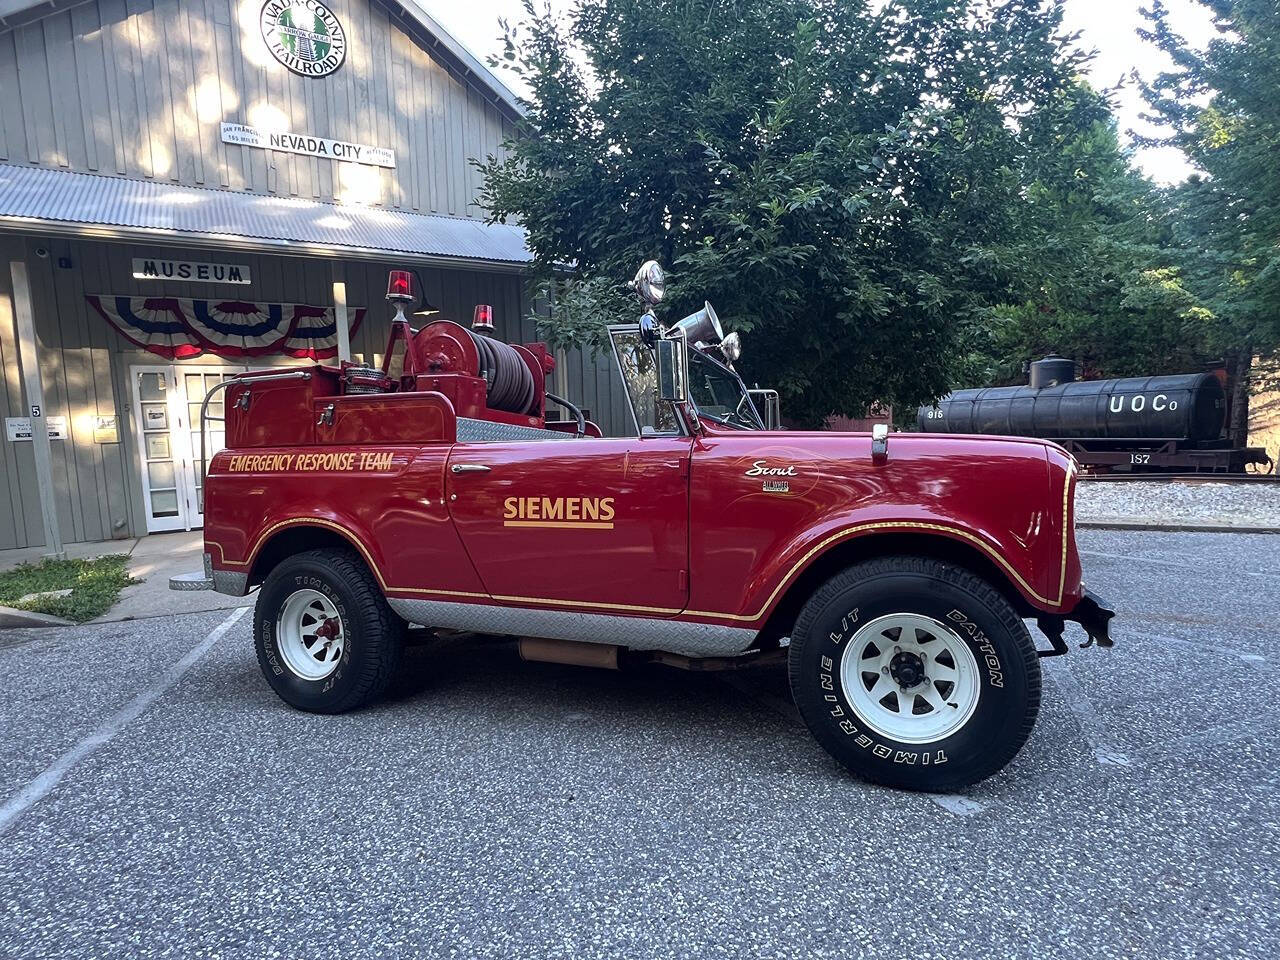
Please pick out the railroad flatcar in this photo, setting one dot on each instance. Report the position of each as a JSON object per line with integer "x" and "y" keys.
{"x": 1168, "y": 423}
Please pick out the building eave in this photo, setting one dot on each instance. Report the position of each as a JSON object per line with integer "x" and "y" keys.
{"x": 445, "y": 46}
{"x": 225, "y": 242}
{"x": 14, "y": 13}
{"x": 66, "y": 203}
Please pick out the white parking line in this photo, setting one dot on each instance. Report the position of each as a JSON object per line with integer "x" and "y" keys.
{"x": 960, "y": 806}
{"x": 42, "y": 785}
{"x": 1095, "y": 733}
{"x": 1117, "y": 556}
{"x": 1179, "y": 564}
{"x": 1199, "y": 645}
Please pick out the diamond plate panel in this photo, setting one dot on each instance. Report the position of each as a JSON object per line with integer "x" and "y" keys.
{"x": 638, "y": 633}
{"x": 486, "y": 431}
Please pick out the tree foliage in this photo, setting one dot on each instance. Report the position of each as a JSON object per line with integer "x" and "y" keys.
{"x": 1219, "y": 106}
{"x": 886, "y": 199}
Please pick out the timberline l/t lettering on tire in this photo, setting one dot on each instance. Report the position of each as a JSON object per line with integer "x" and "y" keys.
{"x": 915, "y": 673}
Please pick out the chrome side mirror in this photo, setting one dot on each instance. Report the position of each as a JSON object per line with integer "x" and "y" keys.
{"x": 673, "y": 377}
{"x": 768, "y": 406}
{"x": 650, "y": 282}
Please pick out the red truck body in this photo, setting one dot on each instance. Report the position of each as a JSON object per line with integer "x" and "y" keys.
{"x": 893, "y": 573}
{"x": 696, "y": 540}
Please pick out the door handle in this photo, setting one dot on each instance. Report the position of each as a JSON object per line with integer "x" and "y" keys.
{"x": 468, "y": 468}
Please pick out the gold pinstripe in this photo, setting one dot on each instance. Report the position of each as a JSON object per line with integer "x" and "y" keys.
{"x": 349, "y": 535}
{"x": 709, "y": 614}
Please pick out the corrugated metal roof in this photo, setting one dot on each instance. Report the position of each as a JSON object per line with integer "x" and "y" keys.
{"x": 147, "y": 208}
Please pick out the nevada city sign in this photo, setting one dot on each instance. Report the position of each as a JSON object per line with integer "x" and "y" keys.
{"x": 304, "y": 35}
{"x": 308, "y": 145}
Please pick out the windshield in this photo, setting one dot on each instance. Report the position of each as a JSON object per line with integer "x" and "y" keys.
{"x": 719, "y": 394}
{"x": 640, "y": 377}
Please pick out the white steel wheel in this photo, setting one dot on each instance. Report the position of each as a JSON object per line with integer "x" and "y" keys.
{"x": 910, "y": 678}
{"x": 310, "y": 634}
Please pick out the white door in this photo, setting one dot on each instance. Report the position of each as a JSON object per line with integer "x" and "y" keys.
{"x": 166, "y": 416}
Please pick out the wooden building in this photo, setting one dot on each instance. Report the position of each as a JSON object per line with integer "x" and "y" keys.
{"x": 187, "y": 188}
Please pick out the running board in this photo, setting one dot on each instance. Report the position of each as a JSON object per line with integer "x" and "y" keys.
{"x": 195, "y": 580}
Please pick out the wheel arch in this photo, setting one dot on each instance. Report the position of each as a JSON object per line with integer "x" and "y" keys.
{"x": 870, "y": 546}
{"x": 300, "y": 537}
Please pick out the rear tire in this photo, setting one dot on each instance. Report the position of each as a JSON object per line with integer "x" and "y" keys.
{"x": 915, "y": 674}
{"x": 326, "y": 640}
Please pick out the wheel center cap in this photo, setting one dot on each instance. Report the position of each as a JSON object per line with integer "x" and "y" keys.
{"x": 906, "y": 669}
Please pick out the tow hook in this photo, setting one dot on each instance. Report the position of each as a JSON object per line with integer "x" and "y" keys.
{"x": 1096, "y": 620}
{"x": 1091, "y": 614}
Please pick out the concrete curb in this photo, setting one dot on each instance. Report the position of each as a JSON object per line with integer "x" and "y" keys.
{"x": 11, "y": 617}
{"x": 1160, "y": 527}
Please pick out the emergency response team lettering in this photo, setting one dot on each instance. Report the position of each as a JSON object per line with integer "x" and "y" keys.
{"x": 284, "y": 462}
{"x": 580, "y": 513}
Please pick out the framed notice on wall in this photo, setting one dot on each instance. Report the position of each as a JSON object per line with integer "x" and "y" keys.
{"x": 105, "y": 430}
{"x": 20, "y": 428}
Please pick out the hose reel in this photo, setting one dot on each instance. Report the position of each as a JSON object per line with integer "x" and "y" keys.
{"x": 509, "y": 379}
{"x": 508, "y": 371}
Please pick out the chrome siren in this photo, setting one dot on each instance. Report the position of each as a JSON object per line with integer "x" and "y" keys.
{"x": 702, "y": 328}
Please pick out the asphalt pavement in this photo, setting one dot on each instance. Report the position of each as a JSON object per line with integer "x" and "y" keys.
{"x": 156, "y": 799}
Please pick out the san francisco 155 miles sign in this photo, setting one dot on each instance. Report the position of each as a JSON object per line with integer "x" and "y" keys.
{"x": 304, "y": 35}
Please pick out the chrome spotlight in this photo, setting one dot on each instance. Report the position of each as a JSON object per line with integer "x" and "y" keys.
{"x": 731, "y": 347}
{"x": 650, "y": 282}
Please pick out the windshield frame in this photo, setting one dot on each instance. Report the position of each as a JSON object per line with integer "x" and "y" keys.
{"x": 677, "y": 410}
{"x": 682, "y": 426}
{"x": 732, "y": 425}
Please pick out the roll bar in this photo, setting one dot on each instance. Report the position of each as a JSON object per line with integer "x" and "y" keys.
{"x": 249, "y": 377}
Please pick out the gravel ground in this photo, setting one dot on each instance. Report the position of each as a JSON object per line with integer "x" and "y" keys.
{"x": 494, "y": 808}
{"x": 1227, "y": 504}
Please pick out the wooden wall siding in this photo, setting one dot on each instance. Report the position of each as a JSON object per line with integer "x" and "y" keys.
{"x": 138, "y": 88}
{"x": 85, "y": 363}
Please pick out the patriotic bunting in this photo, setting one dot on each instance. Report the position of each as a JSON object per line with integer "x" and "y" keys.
{"x": 177, "y": 328}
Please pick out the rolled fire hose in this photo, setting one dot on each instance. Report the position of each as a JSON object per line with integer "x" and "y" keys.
{"x": 509, "y": 379}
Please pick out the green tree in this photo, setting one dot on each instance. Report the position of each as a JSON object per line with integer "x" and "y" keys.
{"x": 1106, "y": 289}
{"x": 1219, "y": 106}
{"x": 863, "y": 191}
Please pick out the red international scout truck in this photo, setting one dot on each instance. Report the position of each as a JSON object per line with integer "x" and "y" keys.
{"x": 894, "y": 573}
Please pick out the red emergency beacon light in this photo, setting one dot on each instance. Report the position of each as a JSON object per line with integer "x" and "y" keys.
{"x": 481, "y": 377}
{"x": 482, "y": 319}
{"x": 400, "y": 286}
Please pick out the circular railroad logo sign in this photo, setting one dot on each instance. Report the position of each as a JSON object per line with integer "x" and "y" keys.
{"x": 304, "y": 35}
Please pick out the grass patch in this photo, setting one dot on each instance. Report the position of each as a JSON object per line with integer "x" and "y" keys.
{"x": 95, "y": 585}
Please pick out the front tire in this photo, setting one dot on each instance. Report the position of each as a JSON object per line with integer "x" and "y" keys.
{"x": 915, "y": 673}
{"x": 326, "y": 640}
